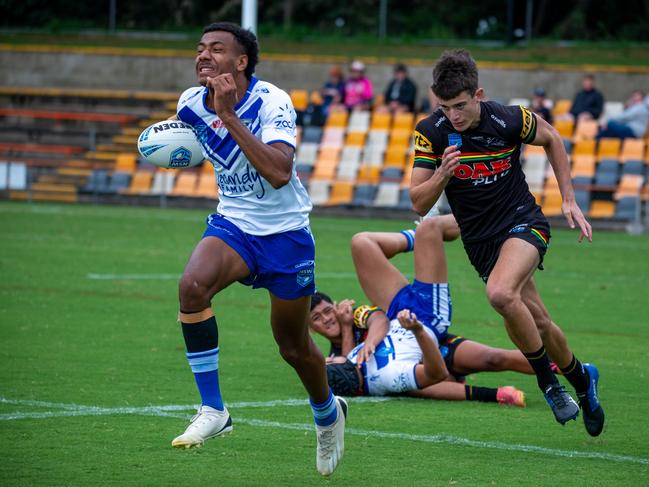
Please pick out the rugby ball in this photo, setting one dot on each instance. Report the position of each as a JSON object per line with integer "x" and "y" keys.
{"x": 170, "y": 144}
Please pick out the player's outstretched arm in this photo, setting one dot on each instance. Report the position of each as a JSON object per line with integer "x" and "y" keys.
{"x": 549, "y": 138}
{"x": 433, "y": 369}
{"x": 377, "y": 327}
{"x": 274, "y": 162}
{"x": 344, "y": 312}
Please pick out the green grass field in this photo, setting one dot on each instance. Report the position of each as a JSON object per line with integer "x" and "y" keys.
{"x": 94, "y": 383}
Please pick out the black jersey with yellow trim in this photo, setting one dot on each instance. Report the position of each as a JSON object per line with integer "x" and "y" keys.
{"x": 488, "y": 192}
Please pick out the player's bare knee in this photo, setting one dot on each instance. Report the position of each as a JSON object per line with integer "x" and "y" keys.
{"x": 438, "y": 376}
{"x": 360, "y": 242}
{"x": 494, "y": 361}
{"x": 193, "y": 296}
{"x": 292, "y": 355}
{"x": 501, "y": 297}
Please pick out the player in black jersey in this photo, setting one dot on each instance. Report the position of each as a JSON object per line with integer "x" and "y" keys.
{"x": 471, "y": 149}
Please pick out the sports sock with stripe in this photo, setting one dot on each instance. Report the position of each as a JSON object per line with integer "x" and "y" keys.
{"x": 325, "y": 413}
{"x": 576, "y": 375}
{"x": 541, "y": 365}
{"x": 482, "y": 394}
{"x": 202, "y": 342}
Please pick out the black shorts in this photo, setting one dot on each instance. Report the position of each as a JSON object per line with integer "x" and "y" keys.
{"x": 534, "y": 229}
{"x": 447, "y": 349}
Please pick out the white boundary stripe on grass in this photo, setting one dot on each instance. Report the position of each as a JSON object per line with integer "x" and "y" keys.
{"x": 66, "y": 410}
{"x": 173, "y": 277}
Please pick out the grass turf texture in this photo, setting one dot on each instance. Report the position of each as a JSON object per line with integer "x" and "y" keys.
{"x": 65, "y": 338}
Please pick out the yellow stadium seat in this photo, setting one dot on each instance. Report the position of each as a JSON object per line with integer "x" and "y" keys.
{"x": 584, "y": 147}
{"x": 602, "y": 209}
{"x": 403, "y": 121}
{"x": 552, "y": 202}
{"x": 140, "y": 183}
{"x": 565, "y": 128}
{"x": 126, "y": 163}
{"x": 185, "y": 184}
{"x": 337, "y": 118}
{"x": 561, "y": 107}
{"x": 632, "y": 150}
{"x": 369, "y": 174}
{"x": 583, "y": 165}
{"x": 356, "y": 139}
{"x": 342, "y": 193}
{"x": 608, "y": 148}
{"x": 380, "y": 121}
{"x": 300, "y": 99}
{"x": 585, "y": 130}
{"x": 395, "y": 156}
{"x": 207, "y": 187}
{"x": 630, "y": 185}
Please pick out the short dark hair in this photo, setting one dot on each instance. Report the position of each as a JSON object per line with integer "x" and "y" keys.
{"x": 246, "y": 39}
{"x": 400, "y": 68}
{"x": 318, "y": 297}
{"x": 455, "y": 72}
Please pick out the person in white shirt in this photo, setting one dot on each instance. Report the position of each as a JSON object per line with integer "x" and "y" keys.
{"x": 260, "y": 235}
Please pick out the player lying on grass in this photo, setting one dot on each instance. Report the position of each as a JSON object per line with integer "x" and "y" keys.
{"x": 384, "y": 284}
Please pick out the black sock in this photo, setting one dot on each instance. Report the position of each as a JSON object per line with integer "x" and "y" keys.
{"x": 576, "y": 375}
{"x": 483, "y": 394}
{"x": 541, "y": 364}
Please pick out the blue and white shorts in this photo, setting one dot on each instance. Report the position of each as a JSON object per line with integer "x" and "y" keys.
{"x": 283, "y": 263}
{"x": 430, "y": 302}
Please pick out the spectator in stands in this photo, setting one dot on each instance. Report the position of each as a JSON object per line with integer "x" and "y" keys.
{"x": 632, "y": 122}
{"x": 358, "y": 88}
{"x": 541, "y": 105}
{"x": 333, "y": 91}
{"x": 401, "y": 93}
{"x": 589, "y": 102}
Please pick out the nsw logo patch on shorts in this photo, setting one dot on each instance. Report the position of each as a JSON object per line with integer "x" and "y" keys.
{"x": 305, "y": 273}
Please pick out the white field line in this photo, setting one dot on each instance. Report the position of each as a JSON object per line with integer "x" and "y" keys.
{"x": 67, "y": 410}
{"x": 174, "y": 277}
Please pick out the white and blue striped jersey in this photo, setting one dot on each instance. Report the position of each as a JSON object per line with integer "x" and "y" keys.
{"x": 391, "y": 368}
{"x": 245, "y": 197}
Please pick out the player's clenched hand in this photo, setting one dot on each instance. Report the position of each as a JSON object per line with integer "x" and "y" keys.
{"x": 573, "y": 215}
{"x": 225, "y": 93}
{"x": 345, "y": 312}
{"x": 450, "y": 160}
{"x": 409, "y": 320}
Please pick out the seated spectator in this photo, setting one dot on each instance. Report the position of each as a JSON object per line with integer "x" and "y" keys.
{"x": 541, "y": 105}
{"x": 632, "y": 122}
{"x": 589, "y": 102}
{"x": 333, "y": 91}
{"x": 358, "y": 88}
{"x": 401, "y": 92}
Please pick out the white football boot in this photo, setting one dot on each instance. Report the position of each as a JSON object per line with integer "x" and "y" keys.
{"x": 331, "y": 441}
{"x": 207, "y": 423}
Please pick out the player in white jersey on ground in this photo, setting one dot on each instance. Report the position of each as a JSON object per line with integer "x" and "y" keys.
{"x": 259, "y": 237}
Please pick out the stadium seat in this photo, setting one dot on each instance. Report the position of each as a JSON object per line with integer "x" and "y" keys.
{"x": 582, "y": 197}
{"x": 583, "y": 165}
{"x": 391, "y": 174}
{"x": 552, "y": 202}
{"x": 350, "y": 160}
{"x": 337, "y": 119}
{"x": 119, "y": 182}
{"x": 630, "y": 185}
{"x": 565, "y": 128}
{"x": 356, "y": 138}
{"x": 607, "y": 173}
{"x": 364, "y": 195}
{"x": 359, "y": 121}
{"x": 17, "y": 176}
{"x": 126, "y": 163}
{"x": 380, "y": 121}
{"x": 400, "y": 138}
{"x": 368, "y": 175}
{"x": 395, "y": 156}
{"x": 319, "y": 192}
{"x": 333, "y": 137}
{"x": 185, "y": 184}
{"x": 4, "y": 175}
{"x": 602, "y": 209}
{"x": 141, "y": 182}
{"x": 342, "y": 193}
{"x": 300, "y": 99}
{"x": 312, "y": 134}
{"x": 404, "y": 202}
{"x": 97, "y": 182}
{"x": 534, "y": 167}
{"x": 632, "y": 150}
{"x": 307, "y": 152}
{"x": 634, "y": 167}
{"x": 403, "y": 122}
{"x": 585, "y": 130}
{"x": 387, "y": 195}
{"x": 207, "y": 187}
{"x": 373, "y": 156}
{"x": 584, "y": 147}
{"x": 628, "y": 208}
{"x": 163, "y": 181}
{"x": 561, "y": 107}
{"x": 608, "y": 149}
